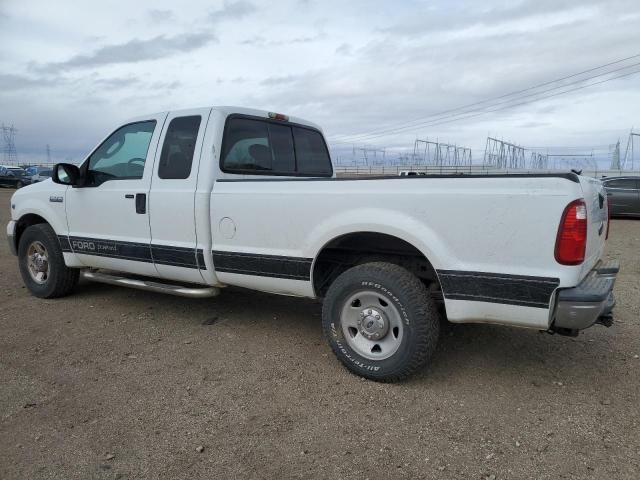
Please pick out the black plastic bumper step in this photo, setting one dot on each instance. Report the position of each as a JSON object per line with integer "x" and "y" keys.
{"x": 610, "y": 267}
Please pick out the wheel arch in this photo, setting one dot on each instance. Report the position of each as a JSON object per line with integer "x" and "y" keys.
{"x": 354, "y": 248}
{"x": 26, "y": 221}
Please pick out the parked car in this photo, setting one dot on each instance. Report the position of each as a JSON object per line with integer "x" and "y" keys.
{"x": 205, "y": 198}
{"x": 13, "y": 176}
{"x": 39, "y": 174}
{"x": 624, "y": 195}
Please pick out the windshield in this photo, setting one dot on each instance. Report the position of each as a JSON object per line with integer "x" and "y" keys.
{"x": 16, "y": 172}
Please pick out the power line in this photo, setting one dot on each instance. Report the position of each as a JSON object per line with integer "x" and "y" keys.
{"x": 508, "y": 101}
{"x": 442, "y": 119}
{"x": 419, "y": 122}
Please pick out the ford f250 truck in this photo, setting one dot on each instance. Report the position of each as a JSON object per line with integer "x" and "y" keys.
{"x": 189, "y": 202}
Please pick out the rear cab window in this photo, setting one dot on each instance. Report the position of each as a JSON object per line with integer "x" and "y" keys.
{"x": 259, "y": 146}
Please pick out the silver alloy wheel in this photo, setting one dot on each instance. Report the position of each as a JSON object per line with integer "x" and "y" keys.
{"x": 38, "y": 262}
{"x": 371, "y": 325}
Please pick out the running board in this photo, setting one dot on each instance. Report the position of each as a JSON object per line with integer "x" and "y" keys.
{"x": 150, "y": 286}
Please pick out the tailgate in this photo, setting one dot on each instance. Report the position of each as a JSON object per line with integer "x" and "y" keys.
{"x": 597, "y": 213}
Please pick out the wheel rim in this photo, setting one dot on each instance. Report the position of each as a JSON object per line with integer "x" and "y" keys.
{"x": 371, "y": 325}
{"x": 38, "y": 262}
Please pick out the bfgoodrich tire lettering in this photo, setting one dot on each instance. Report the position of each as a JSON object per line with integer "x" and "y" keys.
{"x": 402, "y": 292}
{"x": 60, "y": 280}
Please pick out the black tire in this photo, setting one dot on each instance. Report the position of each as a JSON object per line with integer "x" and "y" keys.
{"x": 61, "y": 279}
{"x": 417, "y": 311}
{"x": 19, "y": 185}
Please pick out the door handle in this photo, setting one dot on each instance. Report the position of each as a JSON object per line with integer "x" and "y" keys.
{"x": 141, "y": 203}
{"x": 129, "y": 195}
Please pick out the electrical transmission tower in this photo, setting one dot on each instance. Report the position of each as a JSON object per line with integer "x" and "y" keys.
{"x": 501, "y": 154}
{"x": 577, "y": 160}
{"x": 48, "y": 154}
{"x": 615, "y": 158}
{"x": 440, "y": 154}
{"x": 8, "y": 135}
{"x": 630, "y": 152}
{"x": 370, "y": 155}
{"x": 539, "y": 161}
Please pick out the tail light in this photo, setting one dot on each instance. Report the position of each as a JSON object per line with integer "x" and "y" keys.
{"x": 608, "y": 216}
{"x": 571, "y": 242}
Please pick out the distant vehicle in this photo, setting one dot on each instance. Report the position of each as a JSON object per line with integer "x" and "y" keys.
{"x": 39, "y": 174}
{"x": 624, "y": 195}
{"x": 13, "y": 177}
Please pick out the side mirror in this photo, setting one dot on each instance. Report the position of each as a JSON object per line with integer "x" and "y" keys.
{"x": 65, "y": 174}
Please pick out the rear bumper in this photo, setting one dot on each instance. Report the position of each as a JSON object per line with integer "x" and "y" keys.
{"x": 590, "y": 302}
{"x": 11, "y": 237}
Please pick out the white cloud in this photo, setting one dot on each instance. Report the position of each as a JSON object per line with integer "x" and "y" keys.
{"x": 353, "y": 66}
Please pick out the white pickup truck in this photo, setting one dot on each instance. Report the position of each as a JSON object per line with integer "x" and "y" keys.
{"x": 189, "y": 202}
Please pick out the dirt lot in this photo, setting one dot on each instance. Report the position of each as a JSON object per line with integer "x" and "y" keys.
{"x": 115, "y": 383}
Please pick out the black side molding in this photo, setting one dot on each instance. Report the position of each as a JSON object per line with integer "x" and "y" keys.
{"x": 521, "y": 290}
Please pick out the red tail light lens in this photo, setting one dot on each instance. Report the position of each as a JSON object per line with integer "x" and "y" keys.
{"x": 571, "y": 242}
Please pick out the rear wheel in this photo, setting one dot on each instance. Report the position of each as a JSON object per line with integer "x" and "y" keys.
{"x": 19, "y": 185}
{"x": 42, "y": 265}
{"x": 380, "y": 321}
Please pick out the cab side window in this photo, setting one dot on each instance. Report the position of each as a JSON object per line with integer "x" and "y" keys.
{"x": 121, "y": 156}
{"x": 179, "y": 147}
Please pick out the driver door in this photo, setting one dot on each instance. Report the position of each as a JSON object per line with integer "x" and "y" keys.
{"x": 108, "y": 217}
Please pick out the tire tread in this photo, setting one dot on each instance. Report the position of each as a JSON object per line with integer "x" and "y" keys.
{"x": 66, "y": 279}
{"x": 425, "y": 316}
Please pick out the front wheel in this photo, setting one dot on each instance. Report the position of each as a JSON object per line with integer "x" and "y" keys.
{"x": 42, "y": 264}
{"x": 380, "y": 321}
{"x": 19, "y": 185}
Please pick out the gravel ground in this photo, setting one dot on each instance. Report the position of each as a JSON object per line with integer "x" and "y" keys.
{"x": 112, "y": 383}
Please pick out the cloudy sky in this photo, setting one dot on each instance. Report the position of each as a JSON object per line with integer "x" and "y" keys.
{"x": 72, "y": 71}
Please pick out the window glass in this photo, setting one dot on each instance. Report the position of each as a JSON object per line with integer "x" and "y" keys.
{"x": 262, "y": 147}
{"x": 246, "y": 145}
{"x": 123, "y": 154}
{"x": 16, "y": 172}
{"x": 282, "y": 142}
{"x": 621, "y": 183}
{"x": 179, "y": 146}
{"x": 311, "y": 152}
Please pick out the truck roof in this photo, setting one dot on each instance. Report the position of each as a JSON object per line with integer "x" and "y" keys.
{"x": 228, "y": 110}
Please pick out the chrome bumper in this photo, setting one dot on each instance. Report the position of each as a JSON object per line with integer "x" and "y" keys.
{"x": 590, "y": 302}
{"x": 11, "y": 237}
